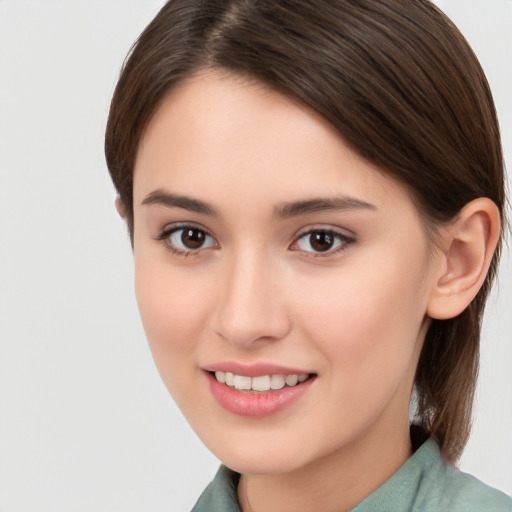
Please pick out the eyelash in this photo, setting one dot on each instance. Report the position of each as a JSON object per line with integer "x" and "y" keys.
{"x": 342, "y": 241}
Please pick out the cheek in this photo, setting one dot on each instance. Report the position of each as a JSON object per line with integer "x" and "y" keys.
{"x": 366, "y": 323}
{"x": 173, "y": 313}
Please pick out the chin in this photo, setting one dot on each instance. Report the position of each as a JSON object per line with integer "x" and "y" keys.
{"x": 255, "y": 456}
{"x": 261, "y": 464}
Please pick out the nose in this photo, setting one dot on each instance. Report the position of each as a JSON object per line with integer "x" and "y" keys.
{"x": 251, "y": 309}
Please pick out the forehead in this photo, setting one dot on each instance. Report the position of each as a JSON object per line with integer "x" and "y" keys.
{"x": 227, "y": 138}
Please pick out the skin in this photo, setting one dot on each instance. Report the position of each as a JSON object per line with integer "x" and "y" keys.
{"x": 256, "y": 291}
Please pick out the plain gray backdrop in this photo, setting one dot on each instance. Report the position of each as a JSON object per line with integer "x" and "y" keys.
{"x": 85, "y": 423}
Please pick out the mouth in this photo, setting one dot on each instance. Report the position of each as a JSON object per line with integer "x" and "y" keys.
{"x": 260, "y": 383}
{"x": 266, "y": 391}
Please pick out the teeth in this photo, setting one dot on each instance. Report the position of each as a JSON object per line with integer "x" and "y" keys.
{"x": 291, "y": 380}
{"x": 242, "y": 383}
{"x": 277, "y": 382}
{"x": 261, "y": 383}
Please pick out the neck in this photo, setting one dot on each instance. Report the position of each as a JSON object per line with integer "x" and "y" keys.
{"x": 334, "y": 483}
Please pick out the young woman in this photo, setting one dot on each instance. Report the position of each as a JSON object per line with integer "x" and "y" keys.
{"x": 314, "y": 193}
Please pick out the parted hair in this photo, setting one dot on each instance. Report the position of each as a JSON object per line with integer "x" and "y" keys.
{"x": 402, "y": 87}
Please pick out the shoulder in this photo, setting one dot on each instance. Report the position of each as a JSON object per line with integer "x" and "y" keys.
{"x": 428, "y": 483}
{"x": 465, "y": 493}
{"x": 443, "y": 487}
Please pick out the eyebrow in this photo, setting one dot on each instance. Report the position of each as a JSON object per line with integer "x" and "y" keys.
{"x": 339, "y": 203}
{"x": 162, "y": 198}
{"x": 284, "y": 211}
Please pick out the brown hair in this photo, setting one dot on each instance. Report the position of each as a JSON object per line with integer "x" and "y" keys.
{"x": 400, "y": 84}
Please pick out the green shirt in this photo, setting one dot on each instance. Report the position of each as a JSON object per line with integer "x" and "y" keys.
{"x": 425, "y": 483}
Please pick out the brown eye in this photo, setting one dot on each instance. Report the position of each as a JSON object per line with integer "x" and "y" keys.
{"x": 322, "y": 241}
{"x": 193, "y": 238}
{"x": 187, "y": 239}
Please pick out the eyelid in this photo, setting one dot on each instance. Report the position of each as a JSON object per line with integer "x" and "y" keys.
{"x": 344, "y": 232}
{"x": 173, "y": 226}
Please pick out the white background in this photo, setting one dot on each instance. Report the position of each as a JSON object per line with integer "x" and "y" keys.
{"x": 85, "y": 423}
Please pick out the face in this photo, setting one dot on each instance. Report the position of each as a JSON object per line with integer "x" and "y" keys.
{"x": 271, "y": 256}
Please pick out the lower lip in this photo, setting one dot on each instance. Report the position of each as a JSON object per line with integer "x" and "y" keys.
{"x": 256, "y": 405}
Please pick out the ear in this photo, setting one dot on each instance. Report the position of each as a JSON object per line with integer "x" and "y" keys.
{"x": 120, "y": 208}
{"x": 468, "y": 245}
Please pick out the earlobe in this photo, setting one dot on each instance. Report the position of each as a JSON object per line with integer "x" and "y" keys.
{"x": 120, "y": 208}
{"x": 469, "y": 244}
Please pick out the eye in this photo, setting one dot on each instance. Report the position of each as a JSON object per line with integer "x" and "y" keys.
{"x": 184, "y": 240}
{"x": 322, "y": 241}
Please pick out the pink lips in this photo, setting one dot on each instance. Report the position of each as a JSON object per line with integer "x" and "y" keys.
{"x": 255, "y": 404}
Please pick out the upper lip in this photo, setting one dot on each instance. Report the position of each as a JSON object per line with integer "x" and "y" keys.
{"x": 254, "y": 370}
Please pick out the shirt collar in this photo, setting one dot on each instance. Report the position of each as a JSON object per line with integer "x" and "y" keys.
{"x": 398, "y": 493}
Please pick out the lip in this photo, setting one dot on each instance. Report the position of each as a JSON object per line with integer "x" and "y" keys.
{"x": 252, "y": 404}
{"x": 254, "y": 370}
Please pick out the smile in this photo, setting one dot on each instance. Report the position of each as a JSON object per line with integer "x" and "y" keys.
{"x": 260, "y": 383}
{"x": 257, "y": 391}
